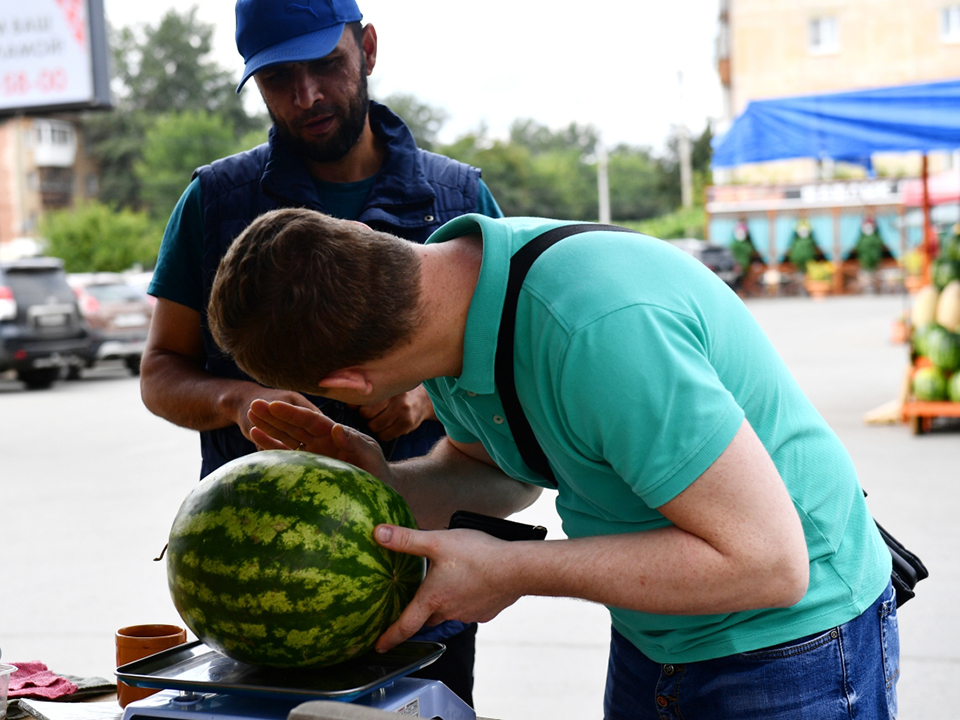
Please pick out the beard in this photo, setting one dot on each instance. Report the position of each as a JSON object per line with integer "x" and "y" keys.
{"x": 353, "y": 119}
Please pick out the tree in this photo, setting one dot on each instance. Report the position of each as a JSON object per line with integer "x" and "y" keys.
{"x": 537, "y": 172}
{"x": 540, "y": 139}
{"x": 635, "y": 185}
{"x": 166, "y": 68}
{"x": 96, "y": 238}
{"x": 174, "y": 147}
{"x": 159, "y": 69}
{"x": 116, "y": 141}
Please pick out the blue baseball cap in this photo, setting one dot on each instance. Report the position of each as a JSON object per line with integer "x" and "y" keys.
{"x": 273, "y": 32}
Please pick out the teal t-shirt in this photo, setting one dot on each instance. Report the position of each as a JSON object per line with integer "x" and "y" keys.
{"x": 636, "y": 366}
{"x": 177, "y": 275}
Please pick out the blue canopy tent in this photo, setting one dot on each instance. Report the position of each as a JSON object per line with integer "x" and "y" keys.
{"x": 847, "y": 126}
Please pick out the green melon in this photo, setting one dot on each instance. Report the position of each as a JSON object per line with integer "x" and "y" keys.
{"x": 953, "y": 388}
{"x": 942, "y": 347}
{"x": 272, "y": 560}
{"x": 918, "y": 338}
{"x": 943, "y": 270}
{"x": 929, "y": 384}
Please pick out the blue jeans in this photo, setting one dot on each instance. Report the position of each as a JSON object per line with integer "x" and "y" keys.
{"x": 849, "y": 671}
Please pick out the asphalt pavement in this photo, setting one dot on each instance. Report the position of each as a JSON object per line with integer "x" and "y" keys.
{"x": 90, "y": 481}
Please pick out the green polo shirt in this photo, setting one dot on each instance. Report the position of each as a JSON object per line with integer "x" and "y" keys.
{"x": 636, "y": 366}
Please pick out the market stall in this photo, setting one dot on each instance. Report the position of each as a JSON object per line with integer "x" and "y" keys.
{"x": 845, "y": 126}
{"x": 853, "y": 127}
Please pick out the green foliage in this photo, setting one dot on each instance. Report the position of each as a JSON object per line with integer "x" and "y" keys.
{"x": 167, "y": 68}
{"x": 546, "y": 173}
{"x": 539, "y": 139}
{"x": 174, "y": 147}
{"x": 802, "y": 251}
{"x": 869, "y": 251}
{"x": 819, "y": 270}
{"x": 681, "y": 223}
{"x": 636, "y": 185}
{"x": 743, "y": 252}
{"x": 159, "y": 70}
{"x": 96, "y": 238}
{"x": 548, "y": 183}
{"x": 116, "y": 142}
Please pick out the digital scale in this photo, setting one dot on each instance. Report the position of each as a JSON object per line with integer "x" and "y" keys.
{"x": 199, "y": 683}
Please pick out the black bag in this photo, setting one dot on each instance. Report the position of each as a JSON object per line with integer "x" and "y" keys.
{"x": 908, "y": 569}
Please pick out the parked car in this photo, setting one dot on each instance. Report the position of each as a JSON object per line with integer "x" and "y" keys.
{"x": 716, "y": 257}
{"x": 118, "y": 315}
{"x": 41, "y": 328}
{"x": 141, "y": 280}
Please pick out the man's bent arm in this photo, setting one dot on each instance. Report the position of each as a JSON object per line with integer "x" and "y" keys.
{"x": 736, "y": 544}
{"x": 175, "y": 385}
{"x": 454, "y": 476}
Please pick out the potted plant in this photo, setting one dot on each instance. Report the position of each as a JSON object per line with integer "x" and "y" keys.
{"x": 818, "y": 279}
{"x": 745, "y": 255}
{"x": 803, "y": 249}
{"x": 742, "y": 246}
{"x": 869, "y": 252}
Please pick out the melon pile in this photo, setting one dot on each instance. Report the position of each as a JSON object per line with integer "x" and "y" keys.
{"x": 272, "y": 560}
{"x": 935, "y": 319}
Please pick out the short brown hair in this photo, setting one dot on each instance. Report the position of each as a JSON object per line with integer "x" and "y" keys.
{"x": 300, "y": 294}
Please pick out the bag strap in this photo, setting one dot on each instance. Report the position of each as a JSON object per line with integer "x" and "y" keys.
{"x": 520, "y": 264}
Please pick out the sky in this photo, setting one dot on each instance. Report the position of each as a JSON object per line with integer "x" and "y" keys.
{"x": 633, "y": 69}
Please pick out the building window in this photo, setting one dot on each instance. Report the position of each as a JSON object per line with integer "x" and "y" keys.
{"x": 823, "y": 35}
{"x": 950, "y": 24}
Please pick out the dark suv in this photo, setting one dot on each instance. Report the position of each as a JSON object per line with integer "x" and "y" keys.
{"x": 41, "y": 331}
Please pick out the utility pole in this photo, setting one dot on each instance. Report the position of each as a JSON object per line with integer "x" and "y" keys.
{"x": 683, "y": 143}
{"x": 603, "y": 183}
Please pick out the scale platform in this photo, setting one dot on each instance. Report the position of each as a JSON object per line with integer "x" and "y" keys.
{"x": 200, "y": 683}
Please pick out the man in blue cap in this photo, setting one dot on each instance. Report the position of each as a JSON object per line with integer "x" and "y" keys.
{"x": 330, "y": 149}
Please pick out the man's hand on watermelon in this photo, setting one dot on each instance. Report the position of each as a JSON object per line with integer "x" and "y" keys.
{"x": 399, "y": 415}
{"x": 469, "y": 578}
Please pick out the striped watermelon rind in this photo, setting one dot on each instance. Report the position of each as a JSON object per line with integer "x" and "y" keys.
{"x": 953, "y": 388}
{"x": 929, "y": 384}
{"x": 942, "y": 347}
{"x": 272, "y": 561}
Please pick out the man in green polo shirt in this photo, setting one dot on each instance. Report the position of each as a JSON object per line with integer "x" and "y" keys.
{"x": 705, "y": 501}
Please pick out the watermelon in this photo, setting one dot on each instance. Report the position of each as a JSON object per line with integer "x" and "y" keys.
{"x": 950, "y": 248}
{"x": 919, "y": 338}
{"x": 942, "y": 348}
{"x": 953, "y": 388}
{"x": 943, "y": 270}
{"x": 272, "y": 561}
{"x": 929, "y": 384}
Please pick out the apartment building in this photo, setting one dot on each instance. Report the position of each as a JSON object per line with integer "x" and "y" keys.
{"x": 43, "y": 167}
{"x": 778, "y": 48}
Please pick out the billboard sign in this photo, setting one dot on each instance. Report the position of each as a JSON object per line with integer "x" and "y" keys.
{"x": 53, "y": 56}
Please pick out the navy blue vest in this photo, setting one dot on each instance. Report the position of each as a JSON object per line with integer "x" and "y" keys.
{"x": 415, "y": 192}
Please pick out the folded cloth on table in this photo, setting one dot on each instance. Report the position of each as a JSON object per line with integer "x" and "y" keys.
{"x": 34, "y": 680}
